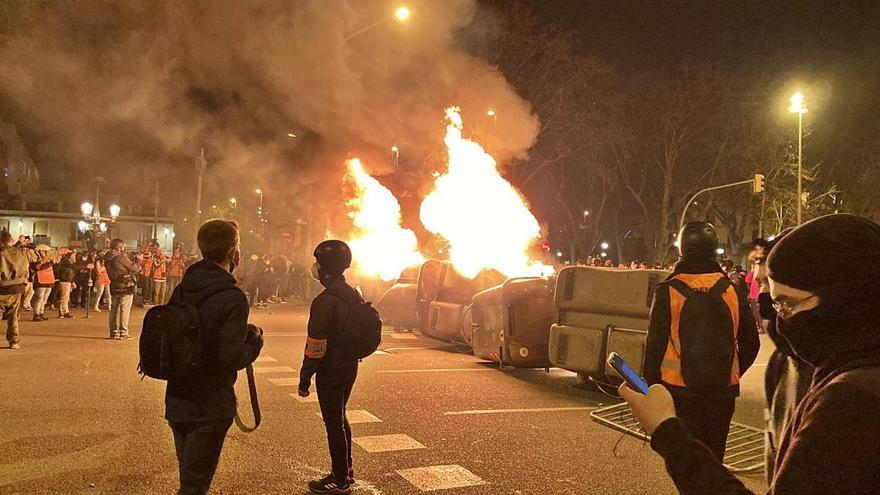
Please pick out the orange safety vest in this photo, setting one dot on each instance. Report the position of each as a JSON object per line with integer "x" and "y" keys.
{"x": 670, "y": 368}
{"x": 161, "y": 268}
{"x": 147, "y": 267}
{"x": 45, "y": 275}
{"x": 178, "y": 266}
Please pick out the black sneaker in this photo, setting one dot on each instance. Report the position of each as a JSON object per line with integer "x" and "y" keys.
{"x": 37, "y": 318}
{"x": 329, "y": 485}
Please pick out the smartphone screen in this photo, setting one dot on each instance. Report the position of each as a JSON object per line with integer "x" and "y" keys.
{"x": 629, "y": 375}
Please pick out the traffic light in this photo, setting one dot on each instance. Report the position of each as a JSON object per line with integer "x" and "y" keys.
{"x": 758, "y": 186}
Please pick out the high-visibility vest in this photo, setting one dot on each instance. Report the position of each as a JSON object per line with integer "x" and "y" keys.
{"x": 147, "y": 267}
{"x": 670, "y": 368}
{"x": 159, "y": 270}
{"x": 46, "y": 274}
{"x": 178, "y": 265}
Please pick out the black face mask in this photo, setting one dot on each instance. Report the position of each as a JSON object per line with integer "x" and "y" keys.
{"x": 811, "y": 334}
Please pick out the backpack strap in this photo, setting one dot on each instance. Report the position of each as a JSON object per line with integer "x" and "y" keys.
{"x": 720, "y": 287}
{"x": 255, "y": 403}
{"x": 685, "y": 289}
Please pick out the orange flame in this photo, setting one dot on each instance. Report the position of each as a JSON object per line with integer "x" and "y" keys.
{"x": 480, "y": 214}
{"x": 381, "y": 247}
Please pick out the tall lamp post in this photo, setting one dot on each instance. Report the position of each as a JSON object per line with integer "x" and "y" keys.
{"x": 401, "y": 14}
{"x": 260, "y": 211}
{"x": 799, "y": 107}
{"x": 201, "y": 164}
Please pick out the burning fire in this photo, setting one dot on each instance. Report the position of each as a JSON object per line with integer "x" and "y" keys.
{"x": 481, "y": 215}
{"x": 380, "y": 245}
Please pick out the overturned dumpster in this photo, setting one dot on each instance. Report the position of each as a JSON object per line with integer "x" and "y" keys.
{"x": 510, "y": 323}
{"x": 598, "y": 311}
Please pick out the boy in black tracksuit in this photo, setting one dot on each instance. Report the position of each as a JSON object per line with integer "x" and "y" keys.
{"x": 200, "y": 409}
{"x": 706, "y": 411}
{"x": 335, "y": 374}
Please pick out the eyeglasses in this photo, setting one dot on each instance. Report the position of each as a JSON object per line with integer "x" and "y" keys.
{"x": 785, "y": 310}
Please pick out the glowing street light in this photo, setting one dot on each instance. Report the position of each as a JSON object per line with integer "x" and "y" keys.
{"x": 115, "y": 210}
{"x": 799, "y": 107}
{"x": 604, "y": 245}
{"x": 291, "y": 135}
{"x": 86, "y": 209}
{"x": 402, "y": 13}
{"x": 83, "y": 226}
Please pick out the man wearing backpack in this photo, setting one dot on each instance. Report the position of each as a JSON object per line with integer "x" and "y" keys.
{"x": 334, "y": 367}
{"x": 123, "y": 281}
{"x": 701, "y": 338}
{"x": 200, "y": 405}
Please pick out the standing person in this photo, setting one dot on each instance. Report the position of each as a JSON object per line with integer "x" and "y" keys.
{"x": 177, "y": 268}
{"x": 86, "y": 278}
{"x": 145, "y": 277}
{"x": 102, "y": 283}
{"x": 44, "y": 281}
{"x": 280, "y": 267}
{"x": 334, "y": 373}
{"x": 701, "y": 338}
{"x": 160, "y": 268}
{"x": 829, "y": 318}
{"x": 14, "y": 261}
{"x": 200, "y": 407}
{"x": 123, "y": 283}
{"x": 66, "y": 277}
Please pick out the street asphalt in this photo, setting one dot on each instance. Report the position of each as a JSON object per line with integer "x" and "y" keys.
{"x": 76, "y": 418}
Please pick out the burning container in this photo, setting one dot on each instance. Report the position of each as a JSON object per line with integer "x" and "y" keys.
{"x": 601, "y": 310}
{"x": 510, "y": 323}
{"x": 398, "y": 304}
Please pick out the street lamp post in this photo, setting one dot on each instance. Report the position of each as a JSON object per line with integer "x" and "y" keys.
{"x": 201, "y": 165}
{"x": 260, "y": 211}
{"x": 401, "y": 14}
{"x": 798, "y": 106}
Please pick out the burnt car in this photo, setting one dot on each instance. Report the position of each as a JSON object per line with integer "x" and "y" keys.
{"x": 398, "y": 304}
{"x": 598, "y": 311}
{"x": 510, "y": 323}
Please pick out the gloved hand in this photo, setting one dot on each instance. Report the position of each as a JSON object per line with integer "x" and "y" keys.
{"x": 254, "y": 336}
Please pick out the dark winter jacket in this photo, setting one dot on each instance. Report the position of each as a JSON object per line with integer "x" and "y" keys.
{"x": 123, "y": 273}
{"x": 227, "y": 344}
{"x": 65, "y": 271}
{"x": 327, "y": 315}
{"x": 748, "y": 342}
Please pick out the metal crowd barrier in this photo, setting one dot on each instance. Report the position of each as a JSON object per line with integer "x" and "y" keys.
{"x": 745, "y": 444}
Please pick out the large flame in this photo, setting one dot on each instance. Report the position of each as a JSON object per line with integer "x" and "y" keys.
{"x": 481, "y": 215}
{"x": 381, "y": 247}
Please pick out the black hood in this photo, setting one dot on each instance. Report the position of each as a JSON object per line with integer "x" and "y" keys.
{"x": 202, "y": 276}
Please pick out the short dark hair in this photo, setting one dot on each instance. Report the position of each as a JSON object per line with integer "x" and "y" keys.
{"x": 5, "y": 238}
{"x": 216, "y": 238}
{"x": 759, "y": 242}
{"x": 115, "y": 243}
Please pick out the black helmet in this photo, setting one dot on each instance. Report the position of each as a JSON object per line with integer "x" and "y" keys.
{"x": 334, "y": 256}
{"x": 698, "y": 241}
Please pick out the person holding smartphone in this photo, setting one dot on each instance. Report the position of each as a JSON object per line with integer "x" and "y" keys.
{"x": 831, "y": 320}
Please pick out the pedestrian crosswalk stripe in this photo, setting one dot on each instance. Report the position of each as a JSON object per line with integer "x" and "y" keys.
{"x": 274, "y": 369}
{"x": 265, "y": 359}
{"x": 284, "y": 382}
{"x": 358, "y": 416}
{"x": 521, "y": 410}
{"x": 440, "y": 477}
{"x": 403, "y": 336}
{"x": 313, "y": 397}
{"x": 387, "y": 443}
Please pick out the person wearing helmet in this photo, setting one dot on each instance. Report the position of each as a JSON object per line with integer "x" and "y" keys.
{"x": 334, "y": 374}
{"x": 701, "y": 338}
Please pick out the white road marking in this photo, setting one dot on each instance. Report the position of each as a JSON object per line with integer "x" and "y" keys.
{"x": 274, "y": 369}
{"x": 523, "y": 410}
{"x": 380, "y": 352}
{"x": 313, "y": 397}
{"x": 357, "y": 416}
{"x": 403, "y": 336}
{"x": 284, "y": 382}
{"x": 440, "y": 477}
{"x": 265, "y": 359}
{"x": 441, "y": 370}
{"x": 387, "y": 443}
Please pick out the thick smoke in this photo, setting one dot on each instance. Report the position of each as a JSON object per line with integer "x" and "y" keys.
{"x": 132, "y": 90}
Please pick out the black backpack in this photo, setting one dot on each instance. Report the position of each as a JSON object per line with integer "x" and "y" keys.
{"x": 361, "y": 333}
{"x": 707, "y": 336}
{"x": 171, "y": 338}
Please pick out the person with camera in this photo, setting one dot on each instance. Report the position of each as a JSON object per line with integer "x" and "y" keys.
{"x": 14, "y": 261}
{"x": 200, "y": 406}
{"x": 123, "y": 282}
{"x": 829, "y": 319}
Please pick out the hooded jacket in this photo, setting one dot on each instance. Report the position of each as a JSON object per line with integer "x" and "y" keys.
{"x": 832, "y": 442}
{"x": 326, "y": 317}
{"x": 122, "y": 272}
{"x": 227, "y": 346}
